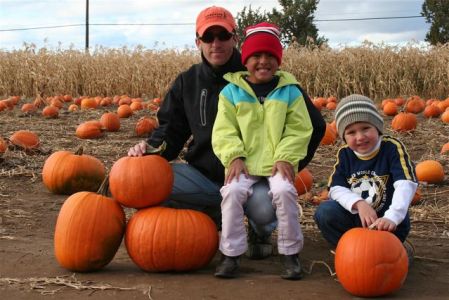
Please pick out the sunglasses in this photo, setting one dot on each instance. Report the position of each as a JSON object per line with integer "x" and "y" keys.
{"x": 222, "y": 36}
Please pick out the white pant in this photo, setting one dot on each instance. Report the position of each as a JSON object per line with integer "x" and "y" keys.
{"x": 233, "y": 240}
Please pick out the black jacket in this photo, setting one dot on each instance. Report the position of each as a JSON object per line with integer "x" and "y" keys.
{"x": 189, "y": 109}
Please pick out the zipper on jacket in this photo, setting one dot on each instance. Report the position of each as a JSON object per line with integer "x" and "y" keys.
{"x": 203, "y": 98}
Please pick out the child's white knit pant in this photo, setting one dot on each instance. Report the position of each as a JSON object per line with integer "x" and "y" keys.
{"x": 233, "y": 241}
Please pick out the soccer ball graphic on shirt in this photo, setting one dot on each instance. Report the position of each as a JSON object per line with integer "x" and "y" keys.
{"x": 367, "y": 188}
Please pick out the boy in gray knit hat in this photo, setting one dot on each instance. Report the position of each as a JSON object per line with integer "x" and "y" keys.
{"x": 373, "y": 181}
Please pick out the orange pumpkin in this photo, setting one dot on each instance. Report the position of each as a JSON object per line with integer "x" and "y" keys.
{"x": 445, "y": 148}
{"x": 330, "y": 135}
{"x": 3, "y": 145}
{"x": 25, "y": 139}
{"x": 415, "y": 105}
{"x": 141, "y": 181}
{"x": 28, "y": 108}
{"x": 167, "y": 239}
{"x": 66, "y": 173}
{"x": 390, "y": 108}
{"x": 370, "y": 263}
{"x": 50, "y": 111}
{"x": 303, "y": 181}
{"x": 89, "y": 230}
{"x": 430, "y": 171}
{"x": 445, "y": 116}
{"x": 110, "y": 121}
{"x": 145, "y": 126}
{"x": 404, "y": 121}
{"x": 432, "y": 111}
{"x": 88, "y": 103}
{"x": 124, "y": 111}
{"x": 417, "y": 197}
{"x": 89, "y": 130}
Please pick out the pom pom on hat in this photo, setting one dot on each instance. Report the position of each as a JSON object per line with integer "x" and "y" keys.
{"x": 357, "y": 108}
{"x": 262, "y": 37}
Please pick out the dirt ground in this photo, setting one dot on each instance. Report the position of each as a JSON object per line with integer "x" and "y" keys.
{"x": 28, "y": 212}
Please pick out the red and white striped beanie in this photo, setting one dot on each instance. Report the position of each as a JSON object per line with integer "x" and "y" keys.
{"x": 262, "y": 37}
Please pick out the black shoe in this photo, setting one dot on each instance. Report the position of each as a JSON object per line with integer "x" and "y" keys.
{"x": 258, "y": 247}
{"x": 292, "y": 268}
{"x": 228, "y": 267}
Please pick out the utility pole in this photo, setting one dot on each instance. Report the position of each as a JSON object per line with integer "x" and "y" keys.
{"x": 87, "y": 25}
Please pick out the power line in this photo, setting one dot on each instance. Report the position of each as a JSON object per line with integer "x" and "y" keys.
{"x": 190, "y": 24}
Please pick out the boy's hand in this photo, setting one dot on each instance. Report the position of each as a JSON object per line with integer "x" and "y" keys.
{"x": 366, "y": 213}
{"x": 384, "y": 224}
{"x": 236, "y": 167}
{"x": 286, "y": 170}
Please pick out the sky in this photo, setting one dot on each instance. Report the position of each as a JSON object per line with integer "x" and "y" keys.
{"x": 172, "y": 22}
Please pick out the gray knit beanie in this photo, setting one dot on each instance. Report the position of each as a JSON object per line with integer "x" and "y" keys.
{"x": 357, "y": 108}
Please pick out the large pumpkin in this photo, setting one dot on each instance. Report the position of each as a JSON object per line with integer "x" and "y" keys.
{"x": 66, "y": 173}
{"x": 430, "y": 171}
{"x": 141, "y": 181}
{"x": 370, "y": 263}
{"x": 303, "y": 181}
{"x": 168, "y": 239}
{"x": 88, "y": 232}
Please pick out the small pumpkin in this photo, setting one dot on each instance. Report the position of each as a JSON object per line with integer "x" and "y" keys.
{"x": 445, "y": 148}
{"x": 3, "y": 145}
{"x": 167, "y": 239}
{"x": 404, "y": 121}
{"x": 141, "y": 181}
{"x": 89, "y": 230}
{"x": 66, "y": 173}
{"x": 124, "y": 111}
{"x": 445, "y": 116}
{"x": 28, "y": 108}
{"x": 303, "y": 181}
{"x": 50, "y": 111}
{"x": 110, "y": 121}
{"x": 430, "y": 171}
{"x": 330, "y": 135}
{"x": 370, "y": 263}
{"x": 25, "y": 139}
{"x": 390, "y": 108}
{"x": 89, "y": 130}
{"x": 432, "y": 111}
{"x": 145, "y": 126}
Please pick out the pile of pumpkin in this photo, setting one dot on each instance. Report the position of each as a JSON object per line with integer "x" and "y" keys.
{"x": 91, "y": 224}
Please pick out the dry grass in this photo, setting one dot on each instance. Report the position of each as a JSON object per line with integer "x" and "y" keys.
{"x": 372, "y": 70}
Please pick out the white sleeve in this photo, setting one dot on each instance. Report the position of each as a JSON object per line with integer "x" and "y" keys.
{"x": 345, "y": 197}
{"x": 404, "y": 191}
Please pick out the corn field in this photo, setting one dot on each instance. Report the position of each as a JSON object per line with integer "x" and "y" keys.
{"x": 376, "y": 71}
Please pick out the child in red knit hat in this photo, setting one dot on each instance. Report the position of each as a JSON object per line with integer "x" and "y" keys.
{"x": 262, "y": 130}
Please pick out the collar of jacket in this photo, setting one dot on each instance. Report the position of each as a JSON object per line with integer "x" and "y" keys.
{"x": 232, "y": 65}
{"x": 238, "y": 78}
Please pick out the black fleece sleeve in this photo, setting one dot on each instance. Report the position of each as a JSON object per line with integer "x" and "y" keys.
{"x": 319, "y": 128}
{"x": 173, "y": 127}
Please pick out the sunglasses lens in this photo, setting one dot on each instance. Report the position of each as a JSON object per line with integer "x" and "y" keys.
{"x": 209, "y": 37}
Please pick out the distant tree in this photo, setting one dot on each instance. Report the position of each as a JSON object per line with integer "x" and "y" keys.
{"x": 295, "y": 20}
{"x": 436, "y": 13}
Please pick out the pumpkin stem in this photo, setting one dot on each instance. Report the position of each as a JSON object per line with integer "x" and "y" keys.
{"x": 372, "y": 226}
{"x": 151, "y": 150}
{"x": 104, "y": 187}
{"x": 79, "y": 151}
